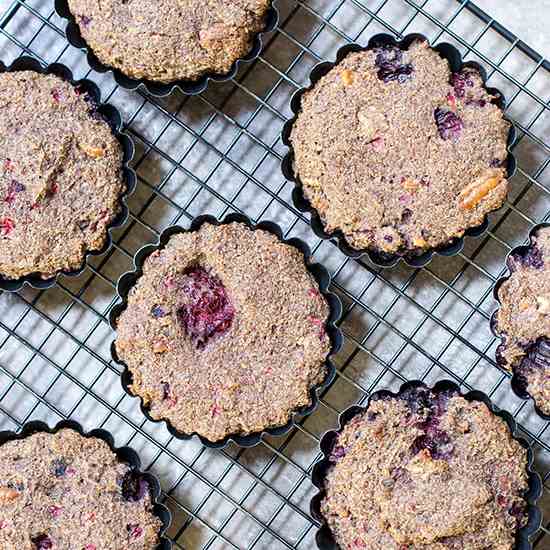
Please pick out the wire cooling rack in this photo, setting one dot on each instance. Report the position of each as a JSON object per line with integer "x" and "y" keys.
{"x": 220, "y": 152}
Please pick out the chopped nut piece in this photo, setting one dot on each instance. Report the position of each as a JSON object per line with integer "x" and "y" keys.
{"x": 410, "y": 185}
{"x": 94, "y": 152}
{"x": 419, "y": 242}
{"x": 474, "y": 193}
{"x": 160, "y": 346}
{"x": 347, "y": 77}
{"x": 7, "y": 495}
{"x": 310, "y": 182}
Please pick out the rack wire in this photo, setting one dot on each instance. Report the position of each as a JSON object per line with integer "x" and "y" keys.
{"x": 220, "y": 152}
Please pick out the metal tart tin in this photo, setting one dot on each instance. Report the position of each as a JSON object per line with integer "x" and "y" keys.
{"x": 454, "y": 58}
{"x": 124, "y": 454}
{"x": 324, "y": 537}
{"x": 321, "y": 276}
{"x": 112, "y": 116}
{"x": 517, "y": 386}
{"x": 159, "y": 89}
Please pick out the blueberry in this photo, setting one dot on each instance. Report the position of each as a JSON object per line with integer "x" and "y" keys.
{"x": 42, "y": 542}
{"x": 207, "y": 310}
{"x": 133, "y": 486}
{"x": 337, "y": 453}
{"x": 436, "y": 441}
{"x": 418, "y": 400}
{"x": 537, "y": 357}
{"x": 389, "y": 60}
{"x": 158, "y": 312}
{"x": 460, "y": 81}
{"x": 59, "y": 467}
{"x": 448, "y": 124}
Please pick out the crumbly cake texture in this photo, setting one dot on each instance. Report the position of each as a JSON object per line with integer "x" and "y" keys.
{"x": 66, "y": 491}
{"x": 169, "y": 40}
{"x": 224, "y": 333}
{"x": 60, "y": 175}
{"x": 426, "y": 471}
{"x": 523, "y": 319}
{"x": 399, "y": 154}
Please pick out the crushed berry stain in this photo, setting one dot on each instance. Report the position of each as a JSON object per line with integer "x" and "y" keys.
{"x": 7, "y": 225}
{"x": 389, "y": 60}
{"x": 449, "y": 125}
{"x": 207, "y": 310}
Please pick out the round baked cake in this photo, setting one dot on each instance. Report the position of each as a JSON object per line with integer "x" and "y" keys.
{"x": 60, "y": 175}
{"x": 523, "y": 319}
{"x": 66, "y": 491}
{"x": 168, "y": 40}
{"x": 426, "y": 470}
{"x": 397, "y": 152}
{"x": 224, "y": 333}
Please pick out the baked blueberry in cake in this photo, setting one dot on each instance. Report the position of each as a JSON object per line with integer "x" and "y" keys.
{"x": 64, "y": 491}
{"x": 165, "y": 40}
{"x": 523, "y": 320}
{"x": 224, "y": 333}
{"x": 425, "y": 470}
{"x": 60, "y": 175}
{"x": 398, "y": 153}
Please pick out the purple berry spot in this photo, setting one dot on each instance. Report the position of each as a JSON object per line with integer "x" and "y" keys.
{"x": 371, "y": 416}
{"x": 532, "y": 258}
{"x": 476, "y": 102}
{"x": 13, "y": 188}
{"x": 56, "y": 94}
{"x": 460, "y": 81}
{"x": 134, "y": 487}
{"x": 158, "y": 312}
{"x": 448, "y": 124}
{"x": 59, "y": 467}
{"x": 42, "y": 542}
{"x": 85, "y": 20}
{"x": 389, "y": 61}
{"x": 496, "y": 163}
{"x": 207, "y": 310}
{"x": 337, "y": 453}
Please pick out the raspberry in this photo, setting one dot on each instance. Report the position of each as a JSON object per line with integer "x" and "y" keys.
{"x": 7, "y": 225}
{"x": 207, "y": 310}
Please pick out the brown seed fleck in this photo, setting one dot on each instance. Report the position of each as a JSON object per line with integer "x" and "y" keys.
{"x": 347, "y": 77}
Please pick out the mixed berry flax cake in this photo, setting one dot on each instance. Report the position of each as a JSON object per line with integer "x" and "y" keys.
{"x": 399, "y": 154}
{"x": 523, "y": 320}
{"x": 164, "y": 40}
{"x": 60, "y": 175}
{"x": 66, "y": 491}
{"x": 425, "y": 470}
{"x": 224, "y": 333}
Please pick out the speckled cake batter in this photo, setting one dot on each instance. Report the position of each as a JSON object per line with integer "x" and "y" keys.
{"x": 69, "y": 492}
{"x": 398, "y": 153}
{"x": 524, "y": 320}
{"x": 225, "y": 332}
{"x": 168, "y": 40}
{"x": 426, "y": 472}
{"x": 60, "y": 176}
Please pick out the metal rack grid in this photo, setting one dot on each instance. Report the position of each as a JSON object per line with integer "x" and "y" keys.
{"x": 220, "y": 152}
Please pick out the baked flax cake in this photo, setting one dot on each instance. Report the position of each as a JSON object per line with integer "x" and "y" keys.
{"x": 64, "y": 491}
{"x": 523, "y": 320}
{"x": 60, "y": 176}
{"x": 168, "y": 40}
{"x": 426, "y": 471}
{"x": 399, "y": 154}
{"x": 224, "y": 333}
